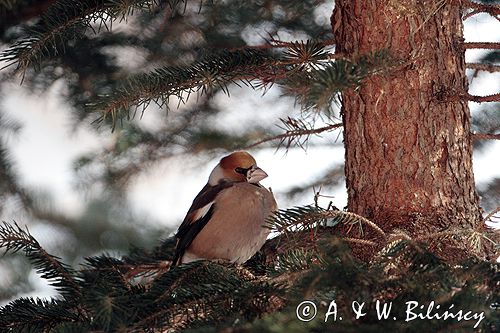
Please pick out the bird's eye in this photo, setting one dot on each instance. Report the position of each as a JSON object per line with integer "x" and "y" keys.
{"x": 241, "y": 170}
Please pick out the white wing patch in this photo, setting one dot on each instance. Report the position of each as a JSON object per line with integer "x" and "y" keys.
{"x": 202, "y": 211}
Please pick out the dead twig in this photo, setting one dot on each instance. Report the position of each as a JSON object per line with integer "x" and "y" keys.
{"x": 485, "y": 136}
{"x": 492, "y": 68}
{"x": 482, "y": 99}
{"x": 482, "y": 45}
{"x": 291, "y": 134}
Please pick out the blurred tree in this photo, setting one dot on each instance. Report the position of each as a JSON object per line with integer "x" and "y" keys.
{"x": 400, "y": 69}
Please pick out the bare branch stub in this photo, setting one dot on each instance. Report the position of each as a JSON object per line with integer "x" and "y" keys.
{"x": 482, "y": 45}
{"x": 483, "y": 99}
{"x": 485, "y": 136}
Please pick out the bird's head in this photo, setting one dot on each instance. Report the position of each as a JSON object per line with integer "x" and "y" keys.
{"x": 239, "y": 166}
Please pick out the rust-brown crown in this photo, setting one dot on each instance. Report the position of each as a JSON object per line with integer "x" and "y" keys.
{"x": 238, "y": 159}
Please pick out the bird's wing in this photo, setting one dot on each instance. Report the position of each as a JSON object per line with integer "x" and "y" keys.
{"x": 197, "y": 217}
{"x": 236, "y": 229}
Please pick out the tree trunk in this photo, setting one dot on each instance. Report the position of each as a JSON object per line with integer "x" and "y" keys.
{"x": 407, "y": 133}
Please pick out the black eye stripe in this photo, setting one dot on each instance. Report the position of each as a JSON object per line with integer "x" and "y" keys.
{"x": 242, "y": 170}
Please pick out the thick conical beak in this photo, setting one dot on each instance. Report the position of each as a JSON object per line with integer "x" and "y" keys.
{"x": 255, "y": 175}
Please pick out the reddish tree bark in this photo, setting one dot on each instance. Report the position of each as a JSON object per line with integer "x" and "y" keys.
{"x": 407, "y": 133}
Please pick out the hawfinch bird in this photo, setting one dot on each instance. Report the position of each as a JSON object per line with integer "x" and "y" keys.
{"x": 226, "y": 218}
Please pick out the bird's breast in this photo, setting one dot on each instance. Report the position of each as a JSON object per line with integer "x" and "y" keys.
{"x": 236, "y": 229}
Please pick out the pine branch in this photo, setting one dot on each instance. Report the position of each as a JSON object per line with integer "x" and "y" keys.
{"x": 303, "y": 218}
{"x": 318, "y": 88}
{"x": 193, "y": 291}
{"x": 303, "y": 55}
{"x": 294, "y": 132}
{"x": 474, "y": 238}
{"x": 295, "y": 260}
{"x": 214, "y": 72}
{"x": 202, "y": 295}
{"x": 303, "y": 70}
{"x": 14, "y": 239}
{"x": 35, "y": 315}
{"x": 65, "y": 20}
{"x": 311, "y": 49}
